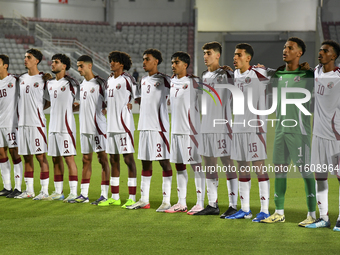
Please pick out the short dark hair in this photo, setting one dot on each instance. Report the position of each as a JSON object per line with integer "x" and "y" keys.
{"x": 246, "y": 47}
{"x": 85, "y": 58}
{"x": 5, "y": 60}
{"x": 299, "y": 42}
{"x": 182, "y": 56}
{"x": 63, "y": 59}
{"x": 333, "y": 44}
{"x": 155, "y": 53}
{"x": 36, "y": 53}
{"x": 216, "y": 46}
{"x": 122, "y": 58}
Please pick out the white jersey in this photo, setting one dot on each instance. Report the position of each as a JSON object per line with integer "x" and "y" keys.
{"x": 257, "y": 79}
{"x": 154, "y": 91}
{"x": 32, "y": 100}
{"x": 92, "y": 101}
{"x": 61, "y": 95}
{"x": 185, "y": 116}
{"x": 327, "y": 104}
{"x": 216, "y": 110}
{"x": 118, "y": 94}
{"x": 9, "y": 93}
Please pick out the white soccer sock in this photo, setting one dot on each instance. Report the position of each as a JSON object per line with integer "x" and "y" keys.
{"x": 104, "y": 190}
{"x": 322, "y": 198}
{"x": 44, "y": 185}
{"x": 200, "y": 187}
{"x": 145, "y": 185}
{"x": 18, "y": 173}
{"x": 232, "y": 186}
{"x": 84, "y": 189}
{"x": 264, "y": 191}
{"x": 166, "y": 189}
{"x": 6, "y": 174}
{"x": 244, "y": 190}
{"x": 132, "y": 184}
{"x": 114, "y": 182}
{"x": 212, "y": 185}
{"x": 29, "y": 184}
{"x": 59, "y": 187}
{"x": 182, "y": 182}
{"x": 73, "y": 187}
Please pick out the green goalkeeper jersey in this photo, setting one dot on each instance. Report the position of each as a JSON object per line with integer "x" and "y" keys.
{"x": 293, "y": 79}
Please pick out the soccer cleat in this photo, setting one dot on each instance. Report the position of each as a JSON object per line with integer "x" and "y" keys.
{"x": 195, "y": 209}
{"x": 337, "y": 226}
{"x": 70, "y": 199}
{"x": 14, "y": 194}
{"x": 209, "y": 210}
{"x": 101, "y": 199}
{"x": 25, "y": 194}
{"x": 5, "y": 192}
{"x": 128, "y": 202}
{"x": 55, "y": 196}
{"x": 164, "y": 206}
{"x": 82, "y": 199}
{"x": 319, "y": 223}
{"x": 176, "y": 208}
{"x": 274, "y": 218}
{"x": 110, "y": 201}
{"x": 42, "y": 196}
{"x": 260, "y": 216}
{"x": 228, "y": 212}
{"x": 240, "y": 215}
{"x": 307, "y": 221}
{"x": 139, "y": 205}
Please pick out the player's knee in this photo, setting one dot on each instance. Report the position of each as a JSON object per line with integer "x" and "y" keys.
{"x": 165, "y": 164}
{"x": 129, "y": 160}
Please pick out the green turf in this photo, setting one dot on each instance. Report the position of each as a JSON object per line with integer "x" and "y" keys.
{"x": 43, "y": 227}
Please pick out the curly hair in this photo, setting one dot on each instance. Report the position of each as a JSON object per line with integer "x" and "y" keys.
{"x": 63, "y": 59}
{"x": 122, "y": 58}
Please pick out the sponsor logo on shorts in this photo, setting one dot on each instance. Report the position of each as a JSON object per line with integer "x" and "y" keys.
{"x": 297, "y": 78}
{"x": 164, "y": 193}
{"x": 241, "y": 197}
{"x": 124, "y": 149}
{"x": 190, "y": 159}
{"x": 299, "y": 161}
{"x": 17, "y": 176}
{"x": 263, "y": 198}
{"x": 198, "y": 191}
{"x": 159, "y": 155}
{"x": 36, "y": 85}
{"x": 232, "y": 194}
{"x": 275, "y": 195}
{"x": 224, "y": 152}
{"x": 255, "y": 156}
{"x": 319, "y": 203}
{"x": 10, "y": 85}
{"x": 99, "y": 147}
{"x": 67, "y": 151}
{"x": 14, "y": 143}
{"x": 38, "y": 150}
{"x": 311, "y": 195}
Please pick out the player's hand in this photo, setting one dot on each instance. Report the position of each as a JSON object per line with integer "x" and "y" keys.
{"x": 304, "y": 66}
{"x": 129, "y": 106}
{"x": 47, "y": 76}
{"x": 227, "y": 68}
{"x": 259, "y": 66}
{"x": 104, "y": 111}
{"x": 75, "y": 107}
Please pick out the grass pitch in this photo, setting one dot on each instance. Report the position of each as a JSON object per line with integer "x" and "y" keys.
{"x": 44, "y": 227}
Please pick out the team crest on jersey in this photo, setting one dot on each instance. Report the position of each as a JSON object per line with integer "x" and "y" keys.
{"x": 330, "y": 85}
{"x": 157, "y": 84}
{"x": 63, "y": 88}
{"x": 247, "y": 80}
{"x": 297, "y": 78}
{"x": 10, "y": 85}
{"x": 36, "y": 85}
{"x": 118, "y": 86}
{"x": 185, "y": 86}
{"x": 92, "y": 90}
